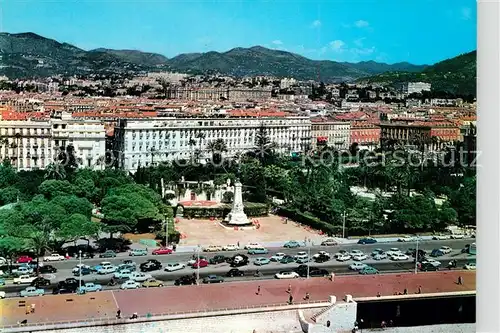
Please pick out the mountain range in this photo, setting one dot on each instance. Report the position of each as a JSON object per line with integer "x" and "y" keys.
{"x": 25, "y": 55}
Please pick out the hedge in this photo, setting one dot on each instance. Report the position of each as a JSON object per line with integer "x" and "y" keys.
{"x": 309, "y": 220}
{"x": 252, "y": 209}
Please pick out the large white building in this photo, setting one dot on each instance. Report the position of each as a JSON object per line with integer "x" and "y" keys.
{"x": 34, "y": 144}
{"x": 146, "y": 141}
{"x": 330, "y": 132}
{"x": 414, "y": 87}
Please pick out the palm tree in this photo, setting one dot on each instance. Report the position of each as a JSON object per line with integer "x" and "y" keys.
{"x": 200, "y": 136}
{"x": 55, "y": 170}
{"x": 264, "y": 147}
{"x": 217, "y": 147}
{"x": 191, "y": 144}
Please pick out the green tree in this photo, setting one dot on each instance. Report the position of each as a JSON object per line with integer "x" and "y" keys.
{"x": 53, "y": 188}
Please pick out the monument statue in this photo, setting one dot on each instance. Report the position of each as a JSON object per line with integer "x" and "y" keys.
{"x": 237, "y": 215}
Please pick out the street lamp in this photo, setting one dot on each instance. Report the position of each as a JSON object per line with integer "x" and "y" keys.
{"x": 80, "y": 270}
{"x": 166, "y": 230}
{"x": 343, "y": 224}
{"x": 416, "y": 256}
{"x": 308, "y": 255}
{"x": 198, "y": 266}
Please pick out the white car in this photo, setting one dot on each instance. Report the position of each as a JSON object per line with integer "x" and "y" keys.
{"x": 24, "y": 279}
{"x": 174, "y": 267}
{"x": 2, "y": 294}
{"x": 286, "y": 275}
{"x": 344, "y": 257}
{"x": 321, "y": 253}
{"x": 457, "y": 236}
{"x": 278, "y": 256}
{"x": 441, "y": 237}
{"x": 130, "y": 284}
{"x": 406, "y": 239}
{"x": 470, "y": 266}
{"x": 399, "y": 257}
{"x": 380, "y": 256}
{"x": 359, "y": 257}
{"x": 432, "y": 262}
{"x": 53, "y": 257}
{"x": 355, "y": 253}
{"x": 357, "y": 266}
{"x": 341, "y": 252}
{"x": 106, "y": 270}
{"x": 252, "y": 246}
{"x": 140, "y": 277}
{"x": 231, "y": 247}
{"x": 393, "y": 250}
{"x": 301, "y": 255}
{"x": 77, "y": 268}
{"x": 445, "y": 249}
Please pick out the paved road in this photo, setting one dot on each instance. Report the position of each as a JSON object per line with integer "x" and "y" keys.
{"x": 184, "y": 257}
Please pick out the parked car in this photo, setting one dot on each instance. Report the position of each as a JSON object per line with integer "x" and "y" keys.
{"x": 152, "y": 283}
{"x": 437, "y": 253}
{"x": 258, "y": 250}
{"x": 2, "y": 282}
{"x": 23, "y": 270}
{"x": 367, "y": 241}
{"x": 302, "y": 260}
{"x": 76, "y": 269}
{"x": 341, "y": 252}
{"x": 31, "y": 291}
{"x": 40, "y": 282}
{"x": 344, "y": 257}
{"x": 441, "y": 237}
{"x": 150, "y": 265}
{"x": 162, "y": 250}
{"x": 445, "y": 249}
{"x": 287, "y": 259}
{"x": 318, "y": 272}
{"x": 431, "y": 261}
{"x": 24, "y": 260}
{"x": 62, "y": 291}
{"x": 96, "y": 268}
{"x": 213, "y": 279}
{"x": 252, "y": 245}
{"x": 291, "y": 244}
{"x": 89, "y": 287}
{"x": 321, "y": 258}
{"x": 231, "y": 247}
{"x": 286, "y": 275}
{"x": 24, "y": 279}
{"x": 470, "y": 266}
{"x": 393, "y": 250}
{"x": 108, "y": 254}
{"x": 123, "y": 274}
{"x": 54, "y": 257}
{"x": 130, "y": 284}
{"x": 380, "y": 256}
{"x": 70, "y": 283}
{"x": 106, "y": 270}
{"x": 359, "y": 257}
{"x": 399, "y": 257}
{"x": 321, "y": 253}
{"x": 218, "y": 259}
{"x": 457, "y": 236}
{"x": 357, "y": 266}
{"x": 406, "y": 239}
{"x": 261, "y": 261}
{"x": 185, "y": 280}
{"x": 234, "y": 272}
{"x": 368, "y": 270}
{"x": 428, "y": 267}
{"x": 130, "y": 267}
{"x": 212, "y": 248}
{"x": 200, "y": 263}
{"x": 278, "y": 256}
{"x": 301, "y": 255}
{"x": 174, "y": 267}
{"x": 47, "y": 269}
{"x": 2, "y": 294}
{"x": 239, "y": 260}
{"x": 329, "y": 242}
{"x": 138, "y": 252}
{"x": 140, "y": 276}
{"x": 196, "y": 258}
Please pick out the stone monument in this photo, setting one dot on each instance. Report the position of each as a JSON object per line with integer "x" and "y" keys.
{"x": 237, "y": 215}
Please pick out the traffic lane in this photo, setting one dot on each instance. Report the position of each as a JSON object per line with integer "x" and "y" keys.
{"x": 184, "y": 257}
{"x": 267, "y": 273}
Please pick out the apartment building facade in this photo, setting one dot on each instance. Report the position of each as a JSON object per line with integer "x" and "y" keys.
{"x": 330, "y": 132}
{"x": 150, "y": 141}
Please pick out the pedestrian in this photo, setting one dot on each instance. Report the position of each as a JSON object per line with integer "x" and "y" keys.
{"x": 460, "y": 281}
{"x": 306, "y": 297}
{"x": 238, "y": 244}
{"x": 405, "y": 292}
{"x": 378, "y": 294}
{"x": 289, "y": 290}
{"x": 32, "y": 308}
{"x": 258, "y": 290}
{"x": 119, "y": 314}
{"x": 419, "y": 290}
{"x": 290, "y": 299}
{"x": 383, "y": 325}
{"x": 391, "y": 323}
{"x": 174, "y": 247}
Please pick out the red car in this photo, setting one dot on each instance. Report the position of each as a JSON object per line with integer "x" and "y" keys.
{"x": 200, "y": 263}
{"x": 163, "y": 250}
{"x": 24, "y": 260}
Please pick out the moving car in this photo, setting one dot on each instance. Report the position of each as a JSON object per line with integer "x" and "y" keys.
{"x": 31, "y": 292}
{"x": 301, "y": 255}
{"x": 138, "y": 252}
{"x": 106, "y": 270}
{"x": 62, "y": 291}
{"x": 130, "y": 284}
{"x": 40, "y": 282}
{"x": 139, "y": 276}
{"x": 291, "y": 244}
{"x": 162, "y": 250}
{"x": 150, "y": 265}
{"x": 239, "y": 260}
{"x": 329, "y": 242}
{"x": 200, "y": 263}
{"x": 123, "y": 274}
{"x": 185, "y": 280}
{"x": 431, "y": 261}
{"x": 368, "y": 270}
{"x": 428, "y": 267}
{"x": 152, "y": 283}
{"x": 24, "y": 260}
{"x": 321, "y": 258}
{"x": 441, "y": 237}
{"x": 218, "y": 259}
{"x": 101, "y": 265}
{"x": 213, "y": 279}
{"x": 252, "y": 245}
{"x": 89, "y": 287}
{"x": 108, "y": 254}
{"x": 54, "y": 257}
{"x": 471, "y": 266}
{"x": 195, "y": 258}
{"x": 174, "y": 267}
{"x": 406, "y": 239}
{"x": 278, "y": 256}
{"x": 47, "y": 269}
{"x": 24, "y": 279}
{"x": 213, "y": 248}
{"x": 437, "y": 253}
{"x": 445, "y": 249}
{"x": 70, "y": 283}
{"x": 344, "y": 257}
{"x": 234, "y": 272}
{"x": 317, "y": 272}
{"x": 399, "y": 257}
{"x": 359, "y": 257}
{"x": 231, "y": 247}
{"x": 357, "y": 266}
{"x": 261, "y": 261}
{"x": 457, "y": 236}
{"x": 258, "y": 250}
{"x": 367, "y": 241}
{"x": 286, "y": 275}
{"x": 287, "y": 259}
{"x": 23, "y": 270}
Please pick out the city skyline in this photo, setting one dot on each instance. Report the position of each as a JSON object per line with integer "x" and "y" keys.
{"x": 329, "y": 30}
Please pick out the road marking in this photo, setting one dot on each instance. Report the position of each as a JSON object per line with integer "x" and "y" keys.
{"x": 114, "y": 298}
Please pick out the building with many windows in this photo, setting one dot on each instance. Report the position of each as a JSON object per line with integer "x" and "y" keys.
{"x": 330, "y": 132}
{"x": 143, "y": 142}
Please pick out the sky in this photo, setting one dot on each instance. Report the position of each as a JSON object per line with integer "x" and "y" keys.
{"x": 416, "y": 31}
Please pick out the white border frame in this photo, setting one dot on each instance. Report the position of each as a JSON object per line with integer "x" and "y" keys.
{"x": 488, "y": 186}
